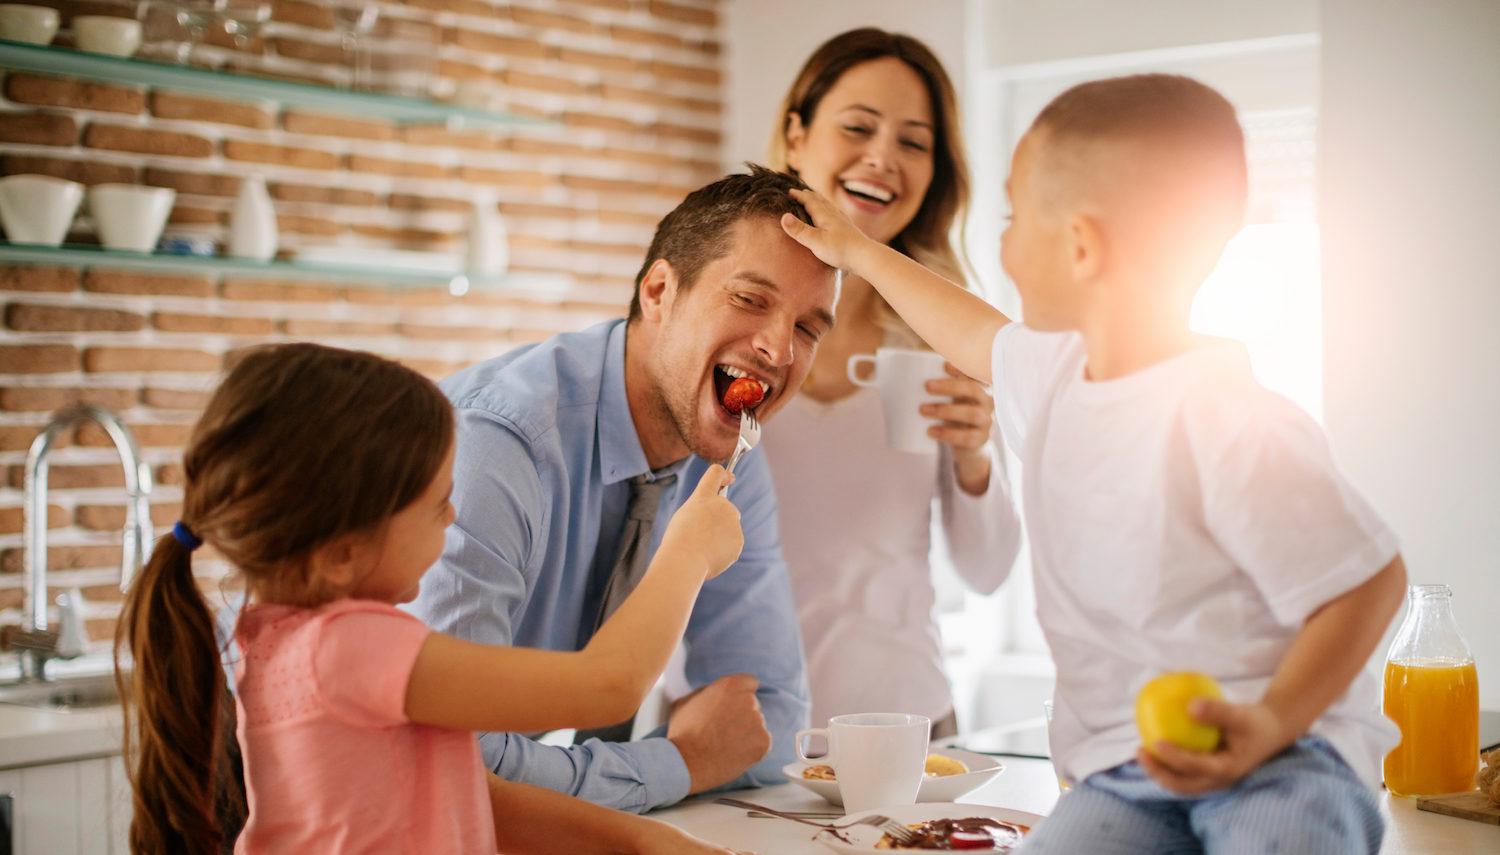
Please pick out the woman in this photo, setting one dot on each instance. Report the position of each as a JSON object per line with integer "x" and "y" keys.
{"x": 871, "y": 122}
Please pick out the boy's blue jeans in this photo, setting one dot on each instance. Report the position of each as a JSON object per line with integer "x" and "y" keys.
{"x": 1303, "y": 801}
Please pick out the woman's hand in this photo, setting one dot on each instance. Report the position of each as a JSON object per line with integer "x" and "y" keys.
{"x": 966, "y": 423}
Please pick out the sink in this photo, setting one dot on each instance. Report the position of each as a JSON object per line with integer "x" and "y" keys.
{"x": 88, "y": 692}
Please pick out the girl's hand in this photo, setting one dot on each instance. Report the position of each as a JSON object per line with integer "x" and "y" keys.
{"x": 667, "y": 839}
{"x": 1252, "y": 734}
{"x": 708, "y": 524}
{"x": 966, "y": 423}
{"x": 831, "y": 237}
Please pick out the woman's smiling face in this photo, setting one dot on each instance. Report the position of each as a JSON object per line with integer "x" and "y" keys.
{"x": 869, "y": 146}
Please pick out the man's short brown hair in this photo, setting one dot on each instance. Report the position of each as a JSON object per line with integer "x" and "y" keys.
{"x": 698, "y": 231}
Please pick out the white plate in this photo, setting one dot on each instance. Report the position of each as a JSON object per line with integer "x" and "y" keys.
{"x": 940, "y": 788}
{"x": 862, "y": 838}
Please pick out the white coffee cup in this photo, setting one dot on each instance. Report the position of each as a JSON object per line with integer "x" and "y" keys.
{"x": 130, "y": 216}
{"x": 878, "y": 758}
{"x": 37, "y": 209}
{"x": 901, "y": 375}
{"x": 22, "y": 22}
{"x": 107, "y": 34}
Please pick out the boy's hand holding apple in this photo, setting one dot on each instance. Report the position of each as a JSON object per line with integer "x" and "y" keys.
{"x": 1194, "y": 742}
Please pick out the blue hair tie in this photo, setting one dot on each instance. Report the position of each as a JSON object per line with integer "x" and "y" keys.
{"x": 185, "y": 536}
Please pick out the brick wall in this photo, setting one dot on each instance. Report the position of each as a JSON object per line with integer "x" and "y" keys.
{"x": 633, "y": 87}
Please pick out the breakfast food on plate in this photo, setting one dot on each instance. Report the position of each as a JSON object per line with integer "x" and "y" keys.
{"x": 938, "y": 765}
{"x": 743, "y": 392}
{"x": 1488, "y": 778}
{"x": 1161, "y": 711}
{"x": 980, "y": 833}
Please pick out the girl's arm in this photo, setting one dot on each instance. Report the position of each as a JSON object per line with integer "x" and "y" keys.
{"x": 537, "y": 820}
{"x": 469, "y": 686}
{"x": 959, "y": 325}
{"x": 1332, "y": 646}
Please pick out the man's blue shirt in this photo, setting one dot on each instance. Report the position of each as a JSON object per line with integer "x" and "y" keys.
{"x": 545, "y": 450}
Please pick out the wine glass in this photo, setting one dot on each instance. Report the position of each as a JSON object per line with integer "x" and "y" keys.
{"x": 243, "y": 20}
{"x": 355, "y": 21}
{"x": 193, "y": 16}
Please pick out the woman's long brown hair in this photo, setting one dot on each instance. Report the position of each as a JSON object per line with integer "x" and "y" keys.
{"x": 929, "y": 237}
{"x": 300, "y": 444}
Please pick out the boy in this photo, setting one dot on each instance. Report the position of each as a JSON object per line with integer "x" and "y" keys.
{"x": 1182, "y": 517}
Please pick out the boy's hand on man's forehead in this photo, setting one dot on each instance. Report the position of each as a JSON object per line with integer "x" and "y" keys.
{"x": 830, "y": 237}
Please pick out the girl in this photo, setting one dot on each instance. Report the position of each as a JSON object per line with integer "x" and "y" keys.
{"x": 323, "y": 476}
{"x": 871, "y": 122}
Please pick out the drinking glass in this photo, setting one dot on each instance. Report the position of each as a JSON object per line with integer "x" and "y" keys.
{"x": 194, "y": 16}
{"x": 243, "y": 20}
{"x": 355, "y": 21}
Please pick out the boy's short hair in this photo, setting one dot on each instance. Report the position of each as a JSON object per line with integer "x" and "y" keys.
{"x": 698, "y": 230}
{"x": 1190, "y": 168}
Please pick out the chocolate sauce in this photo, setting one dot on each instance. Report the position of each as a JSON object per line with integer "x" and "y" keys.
{"x": 972, "y": 834}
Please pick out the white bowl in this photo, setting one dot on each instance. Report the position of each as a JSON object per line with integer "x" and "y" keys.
{"x": 935, "y": 788}
{"x": 22, "y": 22}
{"x": 38, "y": 208}
{"x": 130, "y": 216}
{"x": 107, "y": 34}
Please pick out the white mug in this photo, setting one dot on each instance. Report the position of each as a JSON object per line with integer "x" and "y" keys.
{"x": 38, "y": 208}
{"x": 107, "y": 34}
{"x": 878, "y": 758}
{"x": 23, "y": 22}
{"x": 901, "y": 375}
{"x": 130, "y": 216}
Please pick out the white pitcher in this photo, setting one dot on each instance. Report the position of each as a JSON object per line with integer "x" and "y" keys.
{"x": 489, "y": 246}
{"x": 252, "y": 221}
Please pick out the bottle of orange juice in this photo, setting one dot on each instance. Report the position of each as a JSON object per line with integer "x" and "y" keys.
{"x": 1432, "y": 693}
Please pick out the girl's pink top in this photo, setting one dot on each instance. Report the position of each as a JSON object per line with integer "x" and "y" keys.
{"x": 332, "y": 764}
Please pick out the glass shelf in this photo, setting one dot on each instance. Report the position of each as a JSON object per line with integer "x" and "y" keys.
{"x": 457, "y": 282}
{"x": 113, "y": 69}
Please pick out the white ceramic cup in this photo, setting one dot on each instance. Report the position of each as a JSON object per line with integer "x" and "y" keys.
{"x": 901, "y": 376}
{"x": 130, "y": 216}
{"x": 107, "y": 34}
{"x": 22, "y": 22}
{"x": 37, "y": 209}
{"x": 878, "y": 758}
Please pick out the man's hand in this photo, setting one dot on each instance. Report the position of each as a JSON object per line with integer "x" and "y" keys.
{"x": 1252, "y": 733}
{"x": 719, "y": 730}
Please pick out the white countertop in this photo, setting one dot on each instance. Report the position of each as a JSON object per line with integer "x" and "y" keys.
{"x": 1028, "y": 784}
{"x": 29, "y": 736}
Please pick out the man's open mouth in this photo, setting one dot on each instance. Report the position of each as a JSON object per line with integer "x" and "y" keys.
{"x": 727, "y": 374}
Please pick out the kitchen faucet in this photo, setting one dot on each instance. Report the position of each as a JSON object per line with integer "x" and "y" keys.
{"x": 32, "y": 639}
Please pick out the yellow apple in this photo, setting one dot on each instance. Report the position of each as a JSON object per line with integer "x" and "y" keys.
{"x": 1161, "y": 711}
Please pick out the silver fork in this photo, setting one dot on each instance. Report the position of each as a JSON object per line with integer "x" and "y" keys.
{"x": 749, "y": 438}
{"x": 897, "y": 831}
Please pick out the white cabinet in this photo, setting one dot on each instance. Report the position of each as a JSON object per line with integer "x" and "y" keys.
{"x": 77, "y": 808}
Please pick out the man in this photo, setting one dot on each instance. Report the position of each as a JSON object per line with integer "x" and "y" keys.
{"x": 549, "y": 439}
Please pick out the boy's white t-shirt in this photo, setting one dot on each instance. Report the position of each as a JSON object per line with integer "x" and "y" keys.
{"x": 1182, "y": 518}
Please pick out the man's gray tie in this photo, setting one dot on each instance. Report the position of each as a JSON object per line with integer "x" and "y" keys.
{"x": 629, "y": 568}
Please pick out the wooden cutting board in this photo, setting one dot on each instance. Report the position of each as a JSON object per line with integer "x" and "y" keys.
{"x": 1471, "y": 805}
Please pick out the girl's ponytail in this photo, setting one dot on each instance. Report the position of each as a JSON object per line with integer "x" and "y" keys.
{"x": 174, "y": 699}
